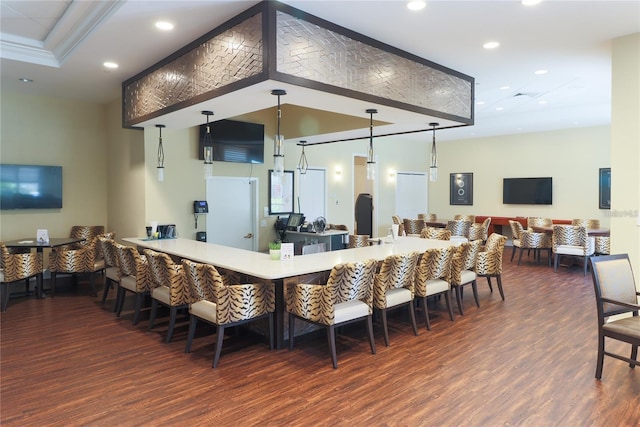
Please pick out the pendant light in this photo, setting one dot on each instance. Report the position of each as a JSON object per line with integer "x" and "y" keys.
{"x": 278, "y": 142}
{"x": 433, "y": 169}
{"x": 208, "y": 148}
{"x": 371, "y": 162}
{"x": 160, "y": 166}
{"x": 303, "y": 165}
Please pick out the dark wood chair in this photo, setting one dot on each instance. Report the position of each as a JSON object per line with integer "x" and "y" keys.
{"x": 616, "y": 294}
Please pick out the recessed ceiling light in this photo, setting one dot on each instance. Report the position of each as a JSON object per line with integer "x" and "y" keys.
{"x": 164, "y": 25}
{"x": 110, "y": 65}
{"x": 491, "y": 45}
{"x": 530, "y": 2}
{"x": 25, "y": 80}
{"x": 542, "y": 102}
{"x": 504, "y": 87}
{"x": 416, "y": 5}
{"x": 540, "y": 72}
{"x": 480, "y": 103}
{"x": 499, "y": 108}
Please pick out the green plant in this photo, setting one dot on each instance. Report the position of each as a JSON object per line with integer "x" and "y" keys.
{"x": 275, "y": 245}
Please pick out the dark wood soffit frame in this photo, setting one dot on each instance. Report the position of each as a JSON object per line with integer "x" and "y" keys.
{"x": 269, "y": 36}
{"x": 261, "y": 7}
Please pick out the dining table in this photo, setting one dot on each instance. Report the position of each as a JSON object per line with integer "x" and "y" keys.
{"x": 261, "y": 266}
{"x": 39, "y": 246}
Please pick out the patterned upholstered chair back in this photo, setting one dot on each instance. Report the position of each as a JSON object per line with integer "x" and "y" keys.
{"x": 428, "y": 217}
{"x": 459, "y": 227}
{"x": 135, "y": 265}
{"x": 570, "y": 235}
{"x": 480, "y": 231}
{"x": 413, "y": 226}
{"x": 105, "y": 242}
{"x": 164, "y": 272}
{"x": 358, "y": 240}
{"x": 233, "y": 303}
{"x": 352, "y": 281}
{"x": 603, "y": 245}
{"x": 18, "y": 266}
{"x": 489, "y": 258}
{"x": 87, "y": 232}
{"x": 536, "y": 221}
{"x": 533, "y": 240}
{"x": 340, "y": 227}
{"x": 435, "y": 233}
{"x": 458, "y": 263}
{"x": 396, "y": 220}
{"x": 469, "y": 262}
{"x": 589, "y": 224}
{"x": 516, "y": 229}
{"x": 396, "y": 271}
{"x": 434, "y": 264}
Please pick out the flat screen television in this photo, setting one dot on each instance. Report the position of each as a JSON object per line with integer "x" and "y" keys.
{"x": 30, "y": 187}
{"x": 234, "y": 141}
{"x": 527, "y": 191}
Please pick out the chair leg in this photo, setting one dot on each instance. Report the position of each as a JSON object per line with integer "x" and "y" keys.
{"x": 586, "y": 264}
{"x": 53, "y": 284}
{"x": 26, "y": 286}
{"x": 192, "y": 331}
{"x": 136, "y": 315}
{"x": 5, "y": 296}
{"x": 520, "y": 257}
{"x": 499, "y": 279}
{"x": 474, "y": 287}
{"x": 271, "y": 343}
{"x": 513, "y": 252}
{"x": 105, "y": 291}
{"x": 426, "y": 313}
{"x": 331, "y": 336}
{"x": 292, "y": 324}
{"x": 173, "y": 312}
{"x": 555, "y": 263}
{"x": 412, "y": 314}
{"x": 447, "y": 298}
{"x": 634, "y": 356}
{"x": 459, "y": 299}
{"x": 219, "y": 340}
{"x": 372, "y": 343}
{"x": 384, "y": 327}
{"x": 154, "y": 311}
{"x": 600, "y": 360}
{"x": 120, "y": 300}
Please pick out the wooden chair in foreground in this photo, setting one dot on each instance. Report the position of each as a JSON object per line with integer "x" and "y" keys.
{"x": 616, "y": 294}
{"x": 224, "y": 305}
{"x": 489, "y": 260}
{"x": 432, "y": 278}
{"x": 347, "y": 297}
{"x": 17, "y": 266}
{"x": 393, "y": 288}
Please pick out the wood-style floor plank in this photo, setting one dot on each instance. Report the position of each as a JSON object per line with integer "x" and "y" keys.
{"x": 526, "y": 361}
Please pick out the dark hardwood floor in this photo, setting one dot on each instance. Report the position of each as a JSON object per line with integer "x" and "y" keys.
{"x": 526, "y": 361}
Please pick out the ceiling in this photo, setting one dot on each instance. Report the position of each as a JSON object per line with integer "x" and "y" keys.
{"x": 61, "y": 46}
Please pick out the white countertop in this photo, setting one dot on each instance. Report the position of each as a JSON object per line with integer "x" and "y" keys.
{"x": 260, "y": 265}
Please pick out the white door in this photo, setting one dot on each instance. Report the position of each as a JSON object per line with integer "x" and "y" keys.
{"x": 312, "y": 194}
{"x": 233, "y": 212}
{"x": 411, "y": 194}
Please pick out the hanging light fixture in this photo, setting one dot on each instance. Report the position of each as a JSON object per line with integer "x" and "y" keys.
{"x": 371, "y": 161}
{"x": 208, "y": 148}
{"x": 433, "y": 169}
{"x": 303, "y": 165}
{"x": 278, "y": 142}
{"x": 160, "y": 166}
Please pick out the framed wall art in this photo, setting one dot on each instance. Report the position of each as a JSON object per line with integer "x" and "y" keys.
{"x": 604, "y": 186}
{"x": 461, "y": 189}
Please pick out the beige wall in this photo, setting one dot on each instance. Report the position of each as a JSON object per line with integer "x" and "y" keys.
{"x": 46, "y": 131}
{"x": 625, "y": 150}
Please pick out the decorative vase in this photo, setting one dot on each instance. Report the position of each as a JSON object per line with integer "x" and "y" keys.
{"x": 274, "y": 253}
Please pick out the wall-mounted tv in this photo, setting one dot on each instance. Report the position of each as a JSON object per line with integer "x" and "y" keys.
{"x": 30, "y": 187}
{"x": 527, "y": 191}
{"x": 234, "y": 141}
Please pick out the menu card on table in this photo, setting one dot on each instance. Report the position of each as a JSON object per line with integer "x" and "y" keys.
{"x": 42, "y": 236}
{"x": 286, "y": 251}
